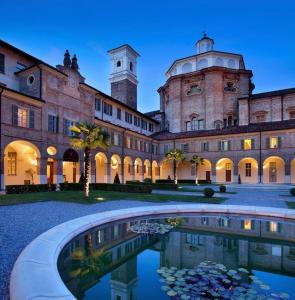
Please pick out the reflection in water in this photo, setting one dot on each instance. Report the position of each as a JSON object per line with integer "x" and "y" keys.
{"x": 222, "y": 253}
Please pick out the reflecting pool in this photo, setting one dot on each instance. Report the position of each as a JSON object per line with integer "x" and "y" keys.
{"x": 183, "y": 257}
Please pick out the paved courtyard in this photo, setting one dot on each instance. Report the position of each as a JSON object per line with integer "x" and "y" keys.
{"x": 20, "y": 224}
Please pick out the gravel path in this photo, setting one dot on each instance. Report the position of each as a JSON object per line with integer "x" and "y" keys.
{"x": 20, "y": 224}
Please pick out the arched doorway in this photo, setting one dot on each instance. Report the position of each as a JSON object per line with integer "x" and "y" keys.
{"x": 138, "y": 169}
{"x": 184, "y": 170}
{"x": 115, "y": 167}
{"x": 128, "y": 169}
{"x": 70, "y": 166}
{"x": 166, "y": 169}
{"x": 248, "y": 170}
{"x": 147, "y": 169}
{"x": 274, "y": 170}
{"x": 101, "y": 173}
{"x": 155, "y": 171}
{"x": 21, "y": 163}
{"x": 225, "y": 170}
{"x": 204, "y": 171}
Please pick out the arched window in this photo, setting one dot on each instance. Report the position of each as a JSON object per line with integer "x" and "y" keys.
{"x": 203, "y": 63}
{"x": 186, "y": 68}
{"x": 118, "y": 63}
{"x": 219, "y": 62}
{"x": 231, "y": 64}
{"x": 131, "y": 66}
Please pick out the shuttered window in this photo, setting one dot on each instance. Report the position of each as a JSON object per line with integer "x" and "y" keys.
{"x": 2, "y": 63}
{"x": 52, "y": 123}
{"x": 23, "y": 117}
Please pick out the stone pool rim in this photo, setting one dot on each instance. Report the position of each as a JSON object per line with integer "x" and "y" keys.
{"x": 35, "y": 274}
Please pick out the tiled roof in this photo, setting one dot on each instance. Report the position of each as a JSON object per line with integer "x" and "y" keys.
{"x": 269, "y": 126}
{"x": 152, "y": 113}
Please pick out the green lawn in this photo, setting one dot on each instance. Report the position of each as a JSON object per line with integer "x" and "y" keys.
{"x": 101, "y": 196}
{"x": 291, "y": 204}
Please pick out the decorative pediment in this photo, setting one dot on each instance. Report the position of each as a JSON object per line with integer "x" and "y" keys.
{"x": 230, "y": 76}
{"x": 260, "y": 113}
{"x": 194, "y": 115}
{"x": 291, "y": 109}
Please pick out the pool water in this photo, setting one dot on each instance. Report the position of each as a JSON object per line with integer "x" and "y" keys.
{"x": 183, "y": 257}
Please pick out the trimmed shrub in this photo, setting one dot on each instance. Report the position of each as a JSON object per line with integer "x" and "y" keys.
{"x": 193, "y": 181}
{"x": 127, "y": 188}
{"x": 292, "y": 191}
{"x": 204, "y": 181}
{"x": 71, "y": 186}
{"x": 208, "y": 192}
{"x": 29, "y": 188}
{"x": 147, "y": 180}
{"x": 133, "y": 182}
{"x": 165, "y": 181}
{"x": 222, "y": 189}
{"x": 165, "y": 186}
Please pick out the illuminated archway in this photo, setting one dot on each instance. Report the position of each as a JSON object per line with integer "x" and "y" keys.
{"x": 21, "y": 163}
{"x": 138, "y": 169}
{"x": 101, "y": 173}
{"x": 166, "y": 169}
{"x": 71, "y": 166}
{"x": 225, "y": 170}
{"x": 274, "y": 170}
{"x": 155, "y": 171}
{"x": 147, "y": 169}
{"x": 248, "y": 170}
{"x": 292, "y": 171}
{"x": 115, "y": 167}
{"x": 128, "y": 168}
{"x": 184, "y": 170}
{"x": 204, "y": 171}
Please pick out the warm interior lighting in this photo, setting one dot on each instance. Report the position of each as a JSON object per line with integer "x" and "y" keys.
{"x": 273, "y": 226}
{"x": 247, "y": 224}
{"x": 51, "y": 150}
{"x": 273, "y": 142}
{"x": 247, "y": 144}
{"x": 114, "y": 163}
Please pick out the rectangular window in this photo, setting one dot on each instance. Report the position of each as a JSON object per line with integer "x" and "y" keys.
{"x": 11, "y": 161}
{"x": 67, "y": 125}
{"x": 166, "y": 149}
{"x": 107, "y": 109}
{"x": 223, "y": 222}
{"x": 151, "y": 127}
{"x": 2, "y": 63}
{"x": 144, "y": 124}
{"x": 188, "y": 126}
{"x": 22, "y": 117}
{"x": 20, "y": 66}
{"x": 97, "y": 104}
{"x": 225, "y": 146}
{"x": 205, "y": 147}
{"x": 204, "y": 220}
{"x": 200, "y": 124}
{"x": 247, "y": 224}
{"x": 136, "y": 121}
{"x": 248, "y": 169}
{"x": 128, "y": 117}
{"x": 52, "y": 123}
{"x": 184, "y": 148}
{"x": 274, "y": 142}
{"x": 119, "y": 113}
{"x": 194, "y": 124}
{"x": 247, "y": 144}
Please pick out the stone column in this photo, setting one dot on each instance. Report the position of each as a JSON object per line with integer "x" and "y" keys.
{"x": 193, "y": 172}
{"x": 132, "y": 171}
{"x": 288, "y": 172}
{"x": 2, "y": 171}
{"x": 213, "y": 172}
{"x": 108, "y": 172}
{"x": 141, "y": 173}
{"x": 59, "y": 163}
{"x": 92, "y": 169}
{"x": 236, "y": 173}
{"x": 149, "y": 171}
{"x": 157, "y": 173}
{"x": 42, "y": 170}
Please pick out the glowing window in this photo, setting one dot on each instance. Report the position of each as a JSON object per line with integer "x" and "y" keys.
{"x": 273, "y": 226}
{"x": 11, "y": 161}
{"x": 22, "y": 117}
{"x": 51, "y": 150}
{"x": 273, "y": 142}
{"x": 247, "y": 224}
{"x": 247, "y": 144}
{"x": 248, "y": 168}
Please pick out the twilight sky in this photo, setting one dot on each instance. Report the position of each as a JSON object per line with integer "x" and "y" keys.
{"x": 161, "y": 31}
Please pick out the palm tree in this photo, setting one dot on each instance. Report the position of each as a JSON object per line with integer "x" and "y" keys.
{"x": 197, "y": 161}
{"x": 87, "y": 137}
{"x": 177, "y": 157}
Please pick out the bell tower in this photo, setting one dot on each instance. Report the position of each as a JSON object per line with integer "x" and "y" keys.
{"x": 205, "y": 44}
{"x": 123, "y": 76}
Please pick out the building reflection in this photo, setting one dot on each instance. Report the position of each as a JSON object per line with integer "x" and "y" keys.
{"x": 267, "y": 245}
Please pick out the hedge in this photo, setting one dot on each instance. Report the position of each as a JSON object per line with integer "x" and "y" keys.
{"x": 292, "y": 191}
{"x": 165, "y": 186}
{"x": 164, "y": 181}
{"x": 29, "y": 188}
{"x": 128, "y": 188}
{"x": 186, "y": 181}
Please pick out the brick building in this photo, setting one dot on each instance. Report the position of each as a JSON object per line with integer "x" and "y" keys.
{"x": 207, "y": 107}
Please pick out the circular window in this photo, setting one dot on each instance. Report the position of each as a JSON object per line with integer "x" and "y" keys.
{"x": 51, "y": 150}
{"x": 31, "y": 79}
